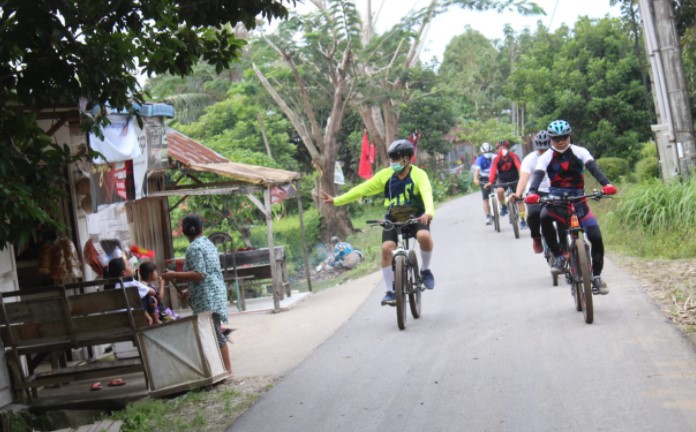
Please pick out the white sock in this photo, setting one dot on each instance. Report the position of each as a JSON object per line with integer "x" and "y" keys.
{"x": 425, "y": 259}
{"x": 388, "y": 275}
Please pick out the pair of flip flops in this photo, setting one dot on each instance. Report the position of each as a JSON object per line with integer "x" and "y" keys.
{"x": 116, "y": 382}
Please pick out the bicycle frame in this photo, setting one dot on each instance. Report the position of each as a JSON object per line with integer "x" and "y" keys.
{"x": 407, "y": 280}
{"x": 579, "y": 274}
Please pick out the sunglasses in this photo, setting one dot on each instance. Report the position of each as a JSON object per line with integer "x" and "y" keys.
{"x": 560, "y": 138}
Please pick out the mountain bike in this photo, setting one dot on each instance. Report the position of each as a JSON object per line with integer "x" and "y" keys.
{"x": 579, "y": 264}
{"x": 407, "y": 280}
{"x": 493, "y": 207}
{"x": 513, "y": 210}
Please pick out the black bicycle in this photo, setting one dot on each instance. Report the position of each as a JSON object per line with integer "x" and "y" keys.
{"x": 579, "y": 264}
{"x": 407, "y": 280}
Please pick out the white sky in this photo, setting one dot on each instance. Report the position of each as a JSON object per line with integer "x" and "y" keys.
{"x": 489, "y": 23}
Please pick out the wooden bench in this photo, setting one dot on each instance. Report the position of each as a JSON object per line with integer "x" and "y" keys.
{"x": 253, "y": 267}
{"x": 37, "y": 322}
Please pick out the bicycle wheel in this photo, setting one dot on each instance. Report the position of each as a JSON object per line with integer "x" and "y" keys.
{"x": 415, "y": 288}
{"x": 496, "y": 214}
{"x": 584, "y": 279}
{"x": 514, "y": 219}
{"x": 572, "y": 278}
{"x": 400, "y": 281}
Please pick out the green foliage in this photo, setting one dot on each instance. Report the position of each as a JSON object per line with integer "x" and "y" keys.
{"x": 613, "y": 168}
{"x": 648, "y": 167}
{"x": 473, "y": 75}
{"x": 58, "y": 53}
{"x": 653, "y": 219}
{"x": 590, "y": 77}
{"x": 491, "y": 131}
{"x": 286, "y": 232}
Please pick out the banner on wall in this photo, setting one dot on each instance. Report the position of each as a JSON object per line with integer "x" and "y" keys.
{"x": 112, "y": 183}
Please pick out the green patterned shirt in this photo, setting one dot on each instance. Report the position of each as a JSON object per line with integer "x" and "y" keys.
{"x": 208, "y": 294}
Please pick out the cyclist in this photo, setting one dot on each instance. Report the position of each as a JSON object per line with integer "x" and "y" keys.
{"x": 541, "y": 144}
{"x": 565, "y": 164}
{"x": 482, "y": 168}
{"x": 401, "y": 184}
{"x": 507, "y": 165}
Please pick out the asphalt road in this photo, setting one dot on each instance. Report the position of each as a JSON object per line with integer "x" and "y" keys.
{"x": 498, "y": 348}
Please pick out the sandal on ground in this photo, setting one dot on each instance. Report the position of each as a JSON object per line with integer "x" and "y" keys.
{"x": 95, "y": 386}
{"x": 116, "y": 382}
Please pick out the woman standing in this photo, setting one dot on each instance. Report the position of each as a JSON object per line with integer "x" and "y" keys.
{"x": 206, "y": 287}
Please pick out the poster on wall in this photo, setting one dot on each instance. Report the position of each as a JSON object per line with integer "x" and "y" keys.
{"x": 112, "y": 183}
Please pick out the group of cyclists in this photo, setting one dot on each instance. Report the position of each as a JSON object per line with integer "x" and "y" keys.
{"x": 555, "y": 168}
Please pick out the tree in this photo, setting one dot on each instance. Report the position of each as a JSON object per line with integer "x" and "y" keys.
{"x": 472, "y": 73}
{"x": 589, "y": 77}
{"x": 54, "y": 53}
{"x": 332, "y": 70}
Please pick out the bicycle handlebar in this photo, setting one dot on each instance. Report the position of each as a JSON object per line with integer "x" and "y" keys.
{"x": 389, "y": 224}
{"x": 595, "y": 195}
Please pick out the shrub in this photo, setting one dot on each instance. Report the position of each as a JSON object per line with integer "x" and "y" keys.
{"x": 614, "y": 168}
{"x": 647, "y": 169}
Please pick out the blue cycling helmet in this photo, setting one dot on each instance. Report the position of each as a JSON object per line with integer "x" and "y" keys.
{"x": 559, "y": 128}
{"x": 541, "y": 140}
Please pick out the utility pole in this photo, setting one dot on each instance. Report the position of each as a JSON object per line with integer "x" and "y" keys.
{"x": 674, "y": 132}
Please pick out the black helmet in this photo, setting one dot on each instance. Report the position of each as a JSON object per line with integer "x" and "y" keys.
{"x": 541, "y": 140}
{"x": 400, "y": 149}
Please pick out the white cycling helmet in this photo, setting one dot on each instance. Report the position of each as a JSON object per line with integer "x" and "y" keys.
{"x": 486, "y": 148}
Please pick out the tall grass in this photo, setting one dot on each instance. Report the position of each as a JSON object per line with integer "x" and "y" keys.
{"x": 652, "y": 219}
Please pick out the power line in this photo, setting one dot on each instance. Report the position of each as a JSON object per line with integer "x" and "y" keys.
{"x": 548, "y": 28}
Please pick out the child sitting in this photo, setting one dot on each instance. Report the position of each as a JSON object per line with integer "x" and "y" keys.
{"x": 150, "y": 277}
{"x": 119, "y": 268}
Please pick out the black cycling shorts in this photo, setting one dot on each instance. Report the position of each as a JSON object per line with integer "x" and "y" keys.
{"x": 484, "y": 191}
{"x": 390, "y": 235}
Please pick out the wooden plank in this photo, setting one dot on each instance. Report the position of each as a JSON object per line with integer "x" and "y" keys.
{"x": 256, "y": 256}
{"x": 103, "y": 301}
{"x": 44, "y": 309}
{"x": 85, "y": 372}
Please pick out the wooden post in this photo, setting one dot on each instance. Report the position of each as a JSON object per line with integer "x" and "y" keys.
{"x": 304, "y": 238}
{"x": 277, "y": 285}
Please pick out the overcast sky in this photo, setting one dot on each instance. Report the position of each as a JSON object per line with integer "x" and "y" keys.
{"x": 489, "y": 23}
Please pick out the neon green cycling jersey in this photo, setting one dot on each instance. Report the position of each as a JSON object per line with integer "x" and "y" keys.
{"x": 414, "y": 190}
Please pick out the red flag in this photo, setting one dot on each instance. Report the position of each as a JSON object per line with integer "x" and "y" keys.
{"x": 365, "y": 168}
{"x": 413, "y": 137}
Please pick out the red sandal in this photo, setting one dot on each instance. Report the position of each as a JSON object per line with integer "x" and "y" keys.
{"x": 95, "y": 386}
{"x": 116, "y": 382}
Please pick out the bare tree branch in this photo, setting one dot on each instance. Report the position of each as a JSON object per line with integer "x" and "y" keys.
{"x": 296, "y": 121}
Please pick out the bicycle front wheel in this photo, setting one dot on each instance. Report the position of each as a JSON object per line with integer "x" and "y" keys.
{"x": 514, "y": 219}
{"x": 584, "y": 278}
{"x": 400, "y": 281}
{"x": 496, "y": 214}
{"x": 415, "y": 289}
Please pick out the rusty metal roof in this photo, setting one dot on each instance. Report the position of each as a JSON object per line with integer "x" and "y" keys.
{"x": 195, "y": 156}
{"x": 187, "y": 151}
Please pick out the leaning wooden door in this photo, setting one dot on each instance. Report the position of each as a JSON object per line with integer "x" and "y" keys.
{"x": 8, "y": 282}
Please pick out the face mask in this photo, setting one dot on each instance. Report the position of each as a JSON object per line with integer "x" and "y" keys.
{"x": 504, "y": 152}
{"x": 397, "y": 167}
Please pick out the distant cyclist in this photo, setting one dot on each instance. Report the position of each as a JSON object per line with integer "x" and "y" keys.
{"x": 565, "y": 164}
{"x": 506, "y": 169}
{"x": 401, "y": 184}
{"x": 482, "y": 169}
{"x": 529, "y": 163}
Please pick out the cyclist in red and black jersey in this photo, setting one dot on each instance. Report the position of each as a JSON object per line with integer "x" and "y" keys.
{"x": 506, "y": 168}
{"x": 565, "y": 164}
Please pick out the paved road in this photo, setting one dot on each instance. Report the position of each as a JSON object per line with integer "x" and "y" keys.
{"x": 497, "y": 349}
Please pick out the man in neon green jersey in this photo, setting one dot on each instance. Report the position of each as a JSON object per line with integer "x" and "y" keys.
{"x": 401, "y": 184}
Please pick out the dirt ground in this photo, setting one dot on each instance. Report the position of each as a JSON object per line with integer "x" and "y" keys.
{"x": 671, "y": 284}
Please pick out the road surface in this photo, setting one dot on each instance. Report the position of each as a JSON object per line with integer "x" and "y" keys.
{"x": 498, "y": 348}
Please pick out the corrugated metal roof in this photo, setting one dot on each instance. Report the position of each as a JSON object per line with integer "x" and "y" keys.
{"x": 195, "y": 156}
{"x": 188, "y": 151}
